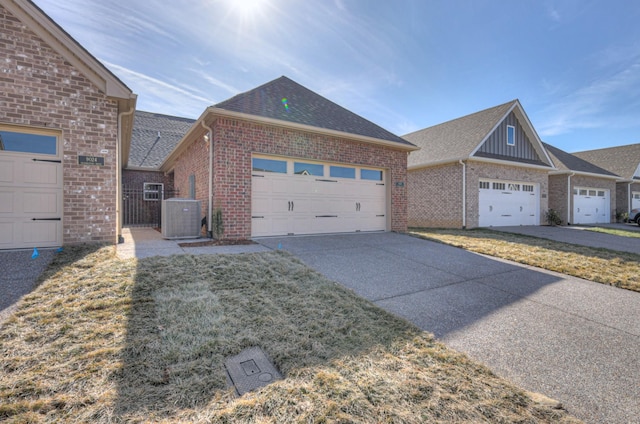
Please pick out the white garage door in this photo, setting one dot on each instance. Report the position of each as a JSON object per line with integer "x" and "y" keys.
{"x": 30, "y": 190}
{"x": 635, "y": 200}
{"x": 505, "y": 203}
{"x": 590, "y": 205}
{"x": 301, "y": 197}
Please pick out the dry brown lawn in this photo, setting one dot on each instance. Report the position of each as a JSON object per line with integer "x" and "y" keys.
{"x": 618, "y": 269}
{"x": 109, "y": 340}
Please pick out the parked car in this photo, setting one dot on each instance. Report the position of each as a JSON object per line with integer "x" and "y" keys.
{"x": 635, "y": 216}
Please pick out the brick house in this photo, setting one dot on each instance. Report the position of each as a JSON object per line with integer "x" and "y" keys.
{"x": 153, "y": 137}
{"x": 485, "y": 169}
{"x": 625, "y": 162}
{"x": 281, "y": 159}
{"x": 581, "y": 192}
{"x": 65, "y": 126}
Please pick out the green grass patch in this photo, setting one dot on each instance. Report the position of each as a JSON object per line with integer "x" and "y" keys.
{"x": 604, "y": 266}
{"x": 615, "y": 232}
{"x": 110, "y": 340}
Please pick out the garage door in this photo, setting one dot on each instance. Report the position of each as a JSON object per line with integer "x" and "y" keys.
{"x": 635, "y": 200}
{"x": 30, "y": 190}
{"x": 505, "y": 203}
{"x": 302, "y": 197}
{"x": 590, "y": 205}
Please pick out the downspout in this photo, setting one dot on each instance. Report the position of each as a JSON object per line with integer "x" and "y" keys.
{"x": 464, "y": 194}
{"x": 119, "y": 175}
{"x": 569, "y": 194}
{"x": 210, "y": 202}
{"x": 629, "y": 199}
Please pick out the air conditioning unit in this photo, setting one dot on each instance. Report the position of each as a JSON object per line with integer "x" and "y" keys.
{"x": 180, "y": 218}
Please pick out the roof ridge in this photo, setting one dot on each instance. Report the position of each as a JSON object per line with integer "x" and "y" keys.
{"x": 470, "y": 115}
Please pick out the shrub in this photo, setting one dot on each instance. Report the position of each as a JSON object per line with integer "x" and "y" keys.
{"x": 553, "y": 218}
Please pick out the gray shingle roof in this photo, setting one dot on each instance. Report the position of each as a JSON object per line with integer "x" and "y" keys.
{"x": 621, "y": 160}
{"x": 154, "y": 136}
{"x": 567, "y": 162}
{"x": 455, "y": 139}
{"x": 286, "y": 100}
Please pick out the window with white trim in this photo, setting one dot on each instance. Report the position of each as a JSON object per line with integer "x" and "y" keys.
{"x": 499, "y": 186}
{"x": 484, "y": 185}
{"x": 511, "y": 135}
{"x": 514, "y": 187}
{"x": 600, "y": 193}
{"x": 527, "y": 187}
{"x": 153, "y": 191}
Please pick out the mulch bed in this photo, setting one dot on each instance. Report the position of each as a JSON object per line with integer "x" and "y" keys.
{"x": 216, "y": 243}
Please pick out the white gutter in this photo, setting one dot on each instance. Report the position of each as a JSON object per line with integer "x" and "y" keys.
{"x": 119, "y": 175}
{"x": 569, "y": 194}
{"x": 547, "y": 168}
{"x": 210, "y": 200}
{"x": 629, "y": 200}
{"x": 464, "y": 194}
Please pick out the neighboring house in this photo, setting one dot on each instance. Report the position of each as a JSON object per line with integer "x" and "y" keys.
{"x": 281, "y": 159}
{"x": 625, "y": 162}
{"x": 581, "y": 192}
{"x": 65, "y": 125}
{"x": 154, "y": 136}
{"x": 485, "y": 169}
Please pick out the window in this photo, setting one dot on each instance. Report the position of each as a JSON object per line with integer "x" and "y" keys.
{"x": 498, "y": 186}
{"x": 269, "y": 165}
{"x": 575, "y": 191}
{"x": 12, "y": 141}
{"x": 484, "y": 184}
{"x": 370, "y": 174}
{"x": 511, "y": 135}
{"x": 514, "y": 187}
{"x": 302, "y": 168}
{"x": 153, "y": 191}
{"x": 592, "y": 192}
{"x": 636, "y": 195}
{"x": 583, "y": 192}
{"x": 342, "y": 172}
{"x": 527, "y": 187}
{"x": 600, "y": 193}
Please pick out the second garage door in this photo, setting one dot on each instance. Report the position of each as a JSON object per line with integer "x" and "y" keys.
{"x": 590, "y": 205}
{"x": 303, "y": 197}
{"x": 505, "y": 203}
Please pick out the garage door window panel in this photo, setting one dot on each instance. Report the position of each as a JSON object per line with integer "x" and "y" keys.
{"x": 269, "y": 165}
{"x": 342, "y": 172}
{"x": 24, "y": 142}
{"x": 303, "y": 168}
{"x": 371, "y": 174}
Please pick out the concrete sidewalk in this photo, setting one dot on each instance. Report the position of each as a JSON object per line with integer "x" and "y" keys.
{"x": 573, "y": 340}
{"x": 144, "y": 242}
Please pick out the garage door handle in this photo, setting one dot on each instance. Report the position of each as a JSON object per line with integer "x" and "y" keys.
{"x": 327, "y": 181}
{"x": 289, "y": 206}
{"x": 46, "y": 219}
{"x": 326, "y": 216}
{"x": 292, "y": 205}
{"x": 257, "y": 216}
{"x": 47, "y": 160}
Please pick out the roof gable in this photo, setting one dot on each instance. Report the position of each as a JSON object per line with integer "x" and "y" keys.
{"x": 567, "y": 162}
{"x": 285, "y": 100}
{"x": 154, "y": 137}
{"x": 476, "y": 135}
{"x": 621, "y": 160}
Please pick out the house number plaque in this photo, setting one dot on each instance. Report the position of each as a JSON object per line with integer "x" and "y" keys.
{"x": 91, "y": 160}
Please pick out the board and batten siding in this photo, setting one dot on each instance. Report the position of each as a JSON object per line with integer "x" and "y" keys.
{"x": 496, "y": 144}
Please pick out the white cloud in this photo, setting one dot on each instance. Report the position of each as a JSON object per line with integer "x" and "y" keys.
{"x": 600, "y": 104}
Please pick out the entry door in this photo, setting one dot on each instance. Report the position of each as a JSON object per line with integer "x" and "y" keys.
{"x": 30, "y": 190}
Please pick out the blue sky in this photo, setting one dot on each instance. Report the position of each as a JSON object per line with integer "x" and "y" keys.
{"x": 403, "y": 64}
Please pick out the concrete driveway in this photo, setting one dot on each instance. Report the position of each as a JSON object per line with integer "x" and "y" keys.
{"x": 571, "y": 339}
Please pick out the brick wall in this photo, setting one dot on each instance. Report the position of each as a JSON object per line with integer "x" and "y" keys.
{"x": 622, "y": 195}
{"x": 40, "y": 89}
{"x": 558, "y": 197}
{"x": 137, "y": 178}
{"x": 558, "y": 193}
{"x": 435, "y": 193}
{"x": 234, "y": 143}
{"x": 194, "y": 161}
{"x": 478, "y": 170}
{"x": 435, "y": 196}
